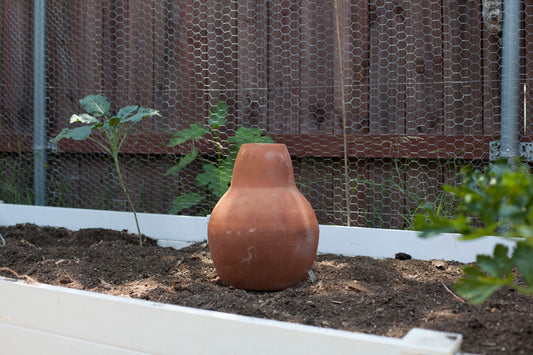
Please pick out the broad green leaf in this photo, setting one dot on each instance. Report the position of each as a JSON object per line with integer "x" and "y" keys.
{"x": 249, "y": 135}
{"x": 126, "y": 111}
{"x": 195, "y": 131}
{"x": 63, "y": 134}
{"x": 525, "y": 231}
{"x": 432, "y": 225}
{"x": 79, "y": 133}
{"x": 113, "y": 122}
{"x": 218, "y": 115}
{"x": 470, "y": 232}
{"x": 84, "y": 118}
{"x": 184, "y": 161}
{"x": 497, "y": 200}
{"x": 475, "y": 286}
{"x": 510, "y": 211}
{"x": 523, "y": 258}
{"x": 500, "y": 265}
{"x": 142, "y": 113}
{"x": 96, "y": 105}
{"x": 216, "y": 179}
{"x": 185, "y": 201}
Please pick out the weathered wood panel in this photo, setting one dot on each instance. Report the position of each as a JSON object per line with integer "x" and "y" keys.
{"x": 318, "y": 75}
{"x": 74, "y": 48}
{"x": 388, "y": 68}
{"x": 251, "y": 100}
{"x": 463, "y": 92}
{"x": 314, "y": 178}
{"x": 491, "y": 82}
{"x": 222, "y": 63}
{"x": 356, "y": 61}
{"x": 421, "y": 81}
{"x": 284, "y": 66}
{"x": 180, "y": 59}
{"x": 16, "y": 69}
{"x": 423, "y": 37}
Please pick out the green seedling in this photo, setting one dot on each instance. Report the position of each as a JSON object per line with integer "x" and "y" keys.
{"x": 113, "y": 128}
{"x": 495, "y": 201}
{"x": 216, "y": 175}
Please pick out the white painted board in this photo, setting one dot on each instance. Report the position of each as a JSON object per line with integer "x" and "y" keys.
{"x": 179, "y": 231}
{"x": 47, "y": 319}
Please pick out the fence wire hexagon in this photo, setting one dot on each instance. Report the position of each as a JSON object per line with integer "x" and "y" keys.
{"x": 380, "y": 103}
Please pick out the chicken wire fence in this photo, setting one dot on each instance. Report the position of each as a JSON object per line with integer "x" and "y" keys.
{"x": 379, "y": 102}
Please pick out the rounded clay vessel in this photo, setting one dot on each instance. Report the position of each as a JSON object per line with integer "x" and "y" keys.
{"x": 263, "y": 233}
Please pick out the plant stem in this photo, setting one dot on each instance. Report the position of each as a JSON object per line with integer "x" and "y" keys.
{"x": 117, "y": 167}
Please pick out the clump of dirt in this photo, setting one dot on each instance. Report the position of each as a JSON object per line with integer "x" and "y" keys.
{"x": 376, "y": 296}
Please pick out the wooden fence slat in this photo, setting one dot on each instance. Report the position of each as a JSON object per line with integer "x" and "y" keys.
{"x": 114, "y": 21}
{"x": 317, "y": 68}
{"x": 16, "y": 67}
{"x": 315, "y": 179}
{"x": 491, "y": 82}
{"x": 384, "y": 206}
{"x": 423, "y": 37}
{"x": 462, "y": 67}
{"x": 181, "y": 65}
{"x": 129, "y": 51}
{"x": 252, "y": 38}
{"x": 74, "y": 36}
{"x": 141, "y": 49}
{"x": 221, "y": 25}
{"x": 387, "y": 68}
{"x": 356, "y": 60}
{"x": 284, "y": 66}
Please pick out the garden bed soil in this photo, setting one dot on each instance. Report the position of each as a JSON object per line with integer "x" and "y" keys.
{"x": 376, "y": 296}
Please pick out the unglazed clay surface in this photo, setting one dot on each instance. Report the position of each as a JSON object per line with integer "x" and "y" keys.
{"x": 263, "y": 233}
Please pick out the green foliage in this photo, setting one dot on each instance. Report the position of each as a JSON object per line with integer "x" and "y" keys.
{"x": 15, "y": 184}
{"x": 396, "y": 187}
{"x": 495, "y": 201}
{"x": 114, "y": 129}
{"x": 216, "y": 175}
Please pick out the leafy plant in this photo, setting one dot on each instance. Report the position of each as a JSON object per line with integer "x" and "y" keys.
{"x": 495, "y": 201}
{"x": 15, "y": 185}
{"x": 113, "y": 128}
{"x": 397, "y": 187}
{"x": 216, "y": 175}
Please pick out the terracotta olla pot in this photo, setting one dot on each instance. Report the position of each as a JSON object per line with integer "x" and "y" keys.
{"x": 263, "y": 234}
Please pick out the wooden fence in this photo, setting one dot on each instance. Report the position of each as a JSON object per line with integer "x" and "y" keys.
{"x": 420, "y": 81}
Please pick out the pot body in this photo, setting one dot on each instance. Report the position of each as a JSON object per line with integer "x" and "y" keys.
{"x": 263, "y": 233}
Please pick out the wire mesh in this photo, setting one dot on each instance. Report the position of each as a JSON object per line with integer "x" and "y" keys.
{"x": 379, "y": 102}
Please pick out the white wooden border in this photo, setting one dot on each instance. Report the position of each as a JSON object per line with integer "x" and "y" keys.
{"x": 43, "y": 319}
{"x": 179, "y": 231}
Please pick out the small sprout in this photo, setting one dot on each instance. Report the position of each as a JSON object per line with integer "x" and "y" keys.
{"x": 114, "y": 129}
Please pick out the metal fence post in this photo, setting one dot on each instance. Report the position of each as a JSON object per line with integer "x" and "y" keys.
{"x": 39, "y": 102}
{"x": 510, "y": 86}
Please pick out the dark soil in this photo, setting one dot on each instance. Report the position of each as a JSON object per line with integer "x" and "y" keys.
{"x": 384, "y": 297}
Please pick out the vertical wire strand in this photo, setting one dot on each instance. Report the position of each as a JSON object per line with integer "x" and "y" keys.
{"x": 344, "y": 119}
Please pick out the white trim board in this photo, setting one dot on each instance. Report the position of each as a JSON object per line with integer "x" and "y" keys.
{"x": 44, "y": 319}
{"x": 179, "y": 231}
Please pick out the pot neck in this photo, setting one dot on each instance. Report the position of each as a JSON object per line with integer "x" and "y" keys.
{"x": 263, "y": 165}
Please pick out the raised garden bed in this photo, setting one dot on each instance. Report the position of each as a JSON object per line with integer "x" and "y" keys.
{"x": 364, "y": 294}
